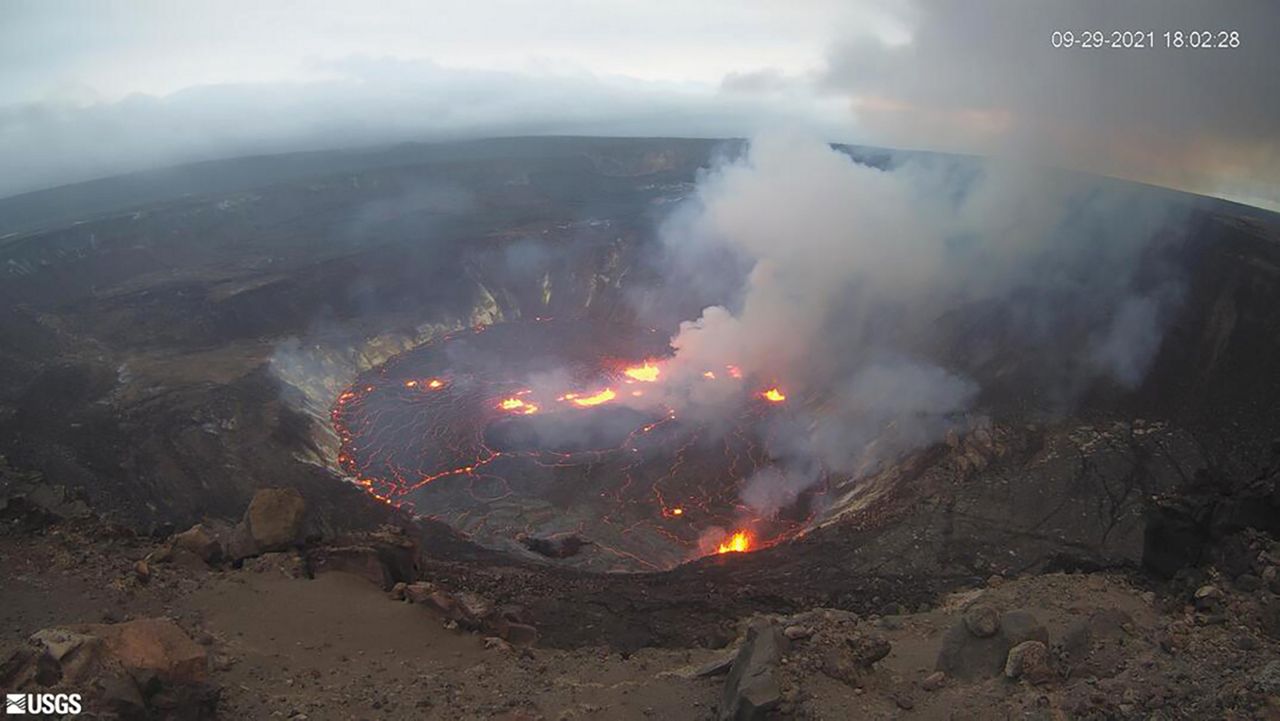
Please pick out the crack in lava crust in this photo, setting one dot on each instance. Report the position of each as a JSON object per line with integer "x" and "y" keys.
{"x": 519, "y": 430}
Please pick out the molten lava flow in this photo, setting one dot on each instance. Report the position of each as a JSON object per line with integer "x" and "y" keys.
{"x": 740, "y": 542}
{"x": 517, "y": 405}
{"x": 647, "y": 372}
{"x": 773, "y": 395}
{"x": 436, "y": 432}
{"x": 603, "y": 396}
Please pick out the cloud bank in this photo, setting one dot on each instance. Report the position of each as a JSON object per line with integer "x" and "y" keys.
{"x": 985, "y": 78}
{"x": 374, "y": 101}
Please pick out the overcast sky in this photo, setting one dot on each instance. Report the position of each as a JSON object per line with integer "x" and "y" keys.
{"x": 96, "y": 87}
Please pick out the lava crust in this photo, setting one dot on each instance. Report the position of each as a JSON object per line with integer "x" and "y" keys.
{"x": 518, "y": 431}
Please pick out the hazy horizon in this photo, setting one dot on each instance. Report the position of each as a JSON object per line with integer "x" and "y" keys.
{"x": 95, "y": 90}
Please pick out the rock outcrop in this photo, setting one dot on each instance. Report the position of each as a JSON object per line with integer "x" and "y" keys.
{"x": 752, "y": 690}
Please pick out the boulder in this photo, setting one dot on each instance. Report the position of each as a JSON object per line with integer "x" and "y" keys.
{"x": 797, "y": 633}
{"x": 867, "y": 649}
{"x": 201, "y": 542}
{"x": 147, "y": 668}
{"x": 848, "y": 659}
{"x": 155, "y": 645}
{"x": 239, "y": 543}
{"x": 982, "y": 620}
{"x": 385, "y": 557}
{"x": 473, "y": 608}
{"x": 418, "y": 591}
{"x": 64, "y": 655}
{"x": 752, "y": 691}
{"x": 1029, "y": 661}
{"x": 968, "y": 657}
{"x": 442, "y": 603}
{"x": 558, "y": 547}
{"x": 520, "y": 634}
{"x": 934, "y": 681}
{"x": 274, "y": 518}
{"x": 1208, "y": 598}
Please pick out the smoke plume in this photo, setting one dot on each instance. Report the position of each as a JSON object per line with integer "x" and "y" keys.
{"x": 876, "y": 298}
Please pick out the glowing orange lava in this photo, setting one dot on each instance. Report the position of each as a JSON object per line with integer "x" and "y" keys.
{"x": 677, "y": 511}
{"x": 435, "y": 383}
{"x": 517, "y": 405}
{"x": 773, "y": 395}
{"x": 647, "y": 372}
{"x": 603, "y": 396}
{"x": 740, "y": 542}
{"x": 734, "y": 371}
{"x": 709, "y": 374}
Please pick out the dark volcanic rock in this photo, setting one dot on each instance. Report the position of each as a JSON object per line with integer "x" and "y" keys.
{"x": 384, "y": 557}
{"x": 362, "y": 561}
{"x": 564, "y": 547}
{"x": 752, "y": 689}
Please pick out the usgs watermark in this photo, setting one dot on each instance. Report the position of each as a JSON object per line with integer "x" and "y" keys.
{"x": 61, "y": 704}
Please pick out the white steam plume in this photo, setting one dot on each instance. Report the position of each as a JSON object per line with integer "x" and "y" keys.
{"x": 857, "y": 275}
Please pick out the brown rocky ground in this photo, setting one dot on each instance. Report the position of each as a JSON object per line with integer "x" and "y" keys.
{"x": 312, "y": 632}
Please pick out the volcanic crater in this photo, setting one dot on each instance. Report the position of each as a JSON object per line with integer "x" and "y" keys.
{"x": 173, "y": 352}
